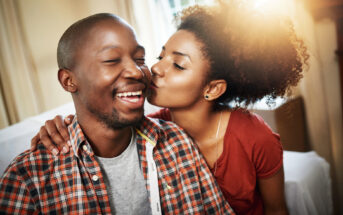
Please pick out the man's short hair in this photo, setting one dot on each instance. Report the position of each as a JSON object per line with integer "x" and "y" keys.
{"x": 73, "y": 38}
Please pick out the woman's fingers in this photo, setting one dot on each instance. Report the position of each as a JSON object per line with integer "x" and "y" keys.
{"x": 53, "y": 135}
{"x": 63, "y": 131}
{"x": 68, "y": 119}
{"x": 46, "y": 141}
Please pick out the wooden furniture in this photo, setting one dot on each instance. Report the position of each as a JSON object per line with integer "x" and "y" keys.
{"x": 288, "y": 120}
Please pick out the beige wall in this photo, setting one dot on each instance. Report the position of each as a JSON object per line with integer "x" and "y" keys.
{"x": 312, "y": 87}
{"x": 320, "y": 88}
{"x": 327, "y": 45}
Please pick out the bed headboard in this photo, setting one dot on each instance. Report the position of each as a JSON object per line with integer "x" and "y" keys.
{"x": 289, "y": 121}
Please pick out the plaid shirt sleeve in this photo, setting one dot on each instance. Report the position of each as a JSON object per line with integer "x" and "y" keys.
{"x": 15, "y": 197}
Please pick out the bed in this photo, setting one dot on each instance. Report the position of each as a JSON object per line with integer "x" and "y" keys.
{"x": 307, "y": 175}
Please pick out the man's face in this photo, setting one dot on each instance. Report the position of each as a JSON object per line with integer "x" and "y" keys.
{"x": 111, "y": 75}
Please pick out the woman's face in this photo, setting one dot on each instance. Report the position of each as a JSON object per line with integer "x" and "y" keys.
{"x": 179, "y": 76}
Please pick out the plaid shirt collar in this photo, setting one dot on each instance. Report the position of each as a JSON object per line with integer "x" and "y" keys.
{"x": 78, "y": 139}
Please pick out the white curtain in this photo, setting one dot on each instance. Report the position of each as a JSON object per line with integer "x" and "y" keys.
{"x": 4, "y": 121}
{"x": 20, "y": 92}
{"x": 153, "y": 21}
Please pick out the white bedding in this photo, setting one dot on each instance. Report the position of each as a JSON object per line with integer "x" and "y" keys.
{"x": 307, "y": 183}
{"x": 307, "y": 177}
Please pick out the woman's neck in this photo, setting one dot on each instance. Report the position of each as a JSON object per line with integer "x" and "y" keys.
{"x": 201, "y": 123}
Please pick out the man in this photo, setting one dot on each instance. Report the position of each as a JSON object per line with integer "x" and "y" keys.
{"x": 120, "y": 162}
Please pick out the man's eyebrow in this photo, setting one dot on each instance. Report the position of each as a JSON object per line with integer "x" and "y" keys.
{"x": 178, "y": 53}
{"x": 138, "y": 48}
{"x": 107, "y": 47}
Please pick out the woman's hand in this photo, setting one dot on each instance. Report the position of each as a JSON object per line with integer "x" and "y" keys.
{"x": 54, "y": 135}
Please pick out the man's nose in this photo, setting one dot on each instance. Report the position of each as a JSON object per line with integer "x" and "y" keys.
{"x": 133, "y": 71}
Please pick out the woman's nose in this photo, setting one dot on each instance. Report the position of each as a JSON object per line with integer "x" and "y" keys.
{"x": 156, "y": 69}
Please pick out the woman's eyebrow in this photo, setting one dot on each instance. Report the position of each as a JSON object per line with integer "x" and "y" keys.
{"x": 182, "y": 54}
{"x": 179, "y": 53}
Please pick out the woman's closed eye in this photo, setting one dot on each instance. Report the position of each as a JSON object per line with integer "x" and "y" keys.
{"x": 177, "y": 66}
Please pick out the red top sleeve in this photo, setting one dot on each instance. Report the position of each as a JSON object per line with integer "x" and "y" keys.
{"x": 267, "y": 151}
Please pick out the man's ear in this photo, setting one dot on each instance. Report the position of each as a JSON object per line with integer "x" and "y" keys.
{"x": 67, "y": 80}
{"x": 214, "y": 89}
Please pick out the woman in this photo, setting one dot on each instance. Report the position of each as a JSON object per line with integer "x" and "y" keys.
{"x": 219, "y": 56}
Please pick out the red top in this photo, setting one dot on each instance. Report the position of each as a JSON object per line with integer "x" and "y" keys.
{"x": 251, "y": 151}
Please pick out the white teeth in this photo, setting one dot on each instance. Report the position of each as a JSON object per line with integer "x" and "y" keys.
{"x": 125, "y": 94}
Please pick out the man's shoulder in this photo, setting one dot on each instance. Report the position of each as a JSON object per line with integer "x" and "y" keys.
{"x": 163, "y": 127}
{"x": 168, "y": 135}
{"x": 29, "y": 164}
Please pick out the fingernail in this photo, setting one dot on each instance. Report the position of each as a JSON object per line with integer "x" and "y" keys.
{"x": 69, "y": 143}
{"x": 55, "y": 151}
{"x": 68, "y": 119}
{"x": 65, "y": 150}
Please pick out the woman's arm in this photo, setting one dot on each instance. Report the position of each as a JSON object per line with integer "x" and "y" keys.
{"x": 54, "y": 134}
{"x": 273, "y": 193}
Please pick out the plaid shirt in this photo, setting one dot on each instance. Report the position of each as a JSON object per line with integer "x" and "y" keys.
{"x": 40, "y": 183}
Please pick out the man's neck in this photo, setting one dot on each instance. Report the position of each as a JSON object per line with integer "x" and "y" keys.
{"x": 106, "y": 142}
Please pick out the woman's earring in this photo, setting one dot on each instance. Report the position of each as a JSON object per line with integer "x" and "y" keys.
{"x": 207, "y": 97}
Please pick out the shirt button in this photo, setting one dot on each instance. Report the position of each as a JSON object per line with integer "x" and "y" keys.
{"x": 95, "y": 178}
{"x": 84, "y": 147}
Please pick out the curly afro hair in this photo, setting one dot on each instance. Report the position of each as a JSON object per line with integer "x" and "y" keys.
{"x": 255, "y": 54}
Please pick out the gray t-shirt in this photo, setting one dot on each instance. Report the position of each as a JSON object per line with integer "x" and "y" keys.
{"x": 125, "y": 183}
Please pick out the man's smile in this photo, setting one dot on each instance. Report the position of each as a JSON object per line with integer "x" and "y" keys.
{"x": 132, "y": 99}
{"x": 129, "y": 94}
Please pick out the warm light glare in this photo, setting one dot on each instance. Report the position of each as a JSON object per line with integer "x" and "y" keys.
{"x": 279, "y": 7}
